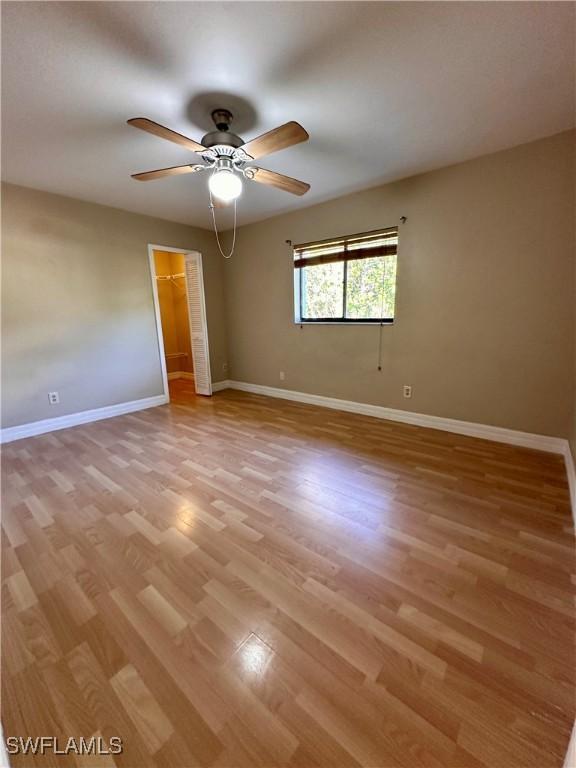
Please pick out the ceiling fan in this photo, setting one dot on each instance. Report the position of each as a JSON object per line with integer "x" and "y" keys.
{"x": 228, "y": 157}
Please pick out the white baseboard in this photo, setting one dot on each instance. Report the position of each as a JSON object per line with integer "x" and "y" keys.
{"x": 485, "y": 431}
{"x": 8, "y": 434}
{"x": 217, "y": 386}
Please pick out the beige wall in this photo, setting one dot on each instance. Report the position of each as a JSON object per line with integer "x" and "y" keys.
{"x": 485, "y": 300}
{"x": 77, "y": 309}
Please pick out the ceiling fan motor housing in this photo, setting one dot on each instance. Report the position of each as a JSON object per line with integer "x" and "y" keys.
{"x": 222, "y": 135}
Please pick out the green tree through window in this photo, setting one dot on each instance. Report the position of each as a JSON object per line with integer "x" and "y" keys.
{"x": 371, "y": 287}
{"x": 322, "y": 291}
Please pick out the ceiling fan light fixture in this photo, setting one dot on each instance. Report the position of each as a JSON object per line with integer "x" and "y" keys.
{"x": 225, "y": 185}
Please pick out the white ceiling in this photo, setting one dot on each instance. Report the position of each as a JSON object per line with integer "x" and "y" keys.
{"x": 385, "y": 90}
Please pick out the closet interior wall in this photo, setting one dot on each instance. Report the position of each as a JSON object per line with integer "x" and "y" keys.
{"x": 174, "y": 314}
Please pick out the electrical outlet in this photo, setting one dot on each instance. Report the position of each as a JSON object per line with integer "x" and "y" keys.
{"x": 407, "y": 390}
{"x": 225, "y": 367}
{"x": 282, "y": 375}
{"x": 53, "y": 398}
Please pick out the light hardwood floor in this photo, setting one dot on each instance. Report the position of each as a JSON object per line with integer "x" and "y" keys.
{"x": 240, "y": 581}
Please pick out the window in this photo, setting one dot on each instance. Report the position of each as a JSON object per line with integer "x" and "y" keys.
{"x": 346, "y": 279}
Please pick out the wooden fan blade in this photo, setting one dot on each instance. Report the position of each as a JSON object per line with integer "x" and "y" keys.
{"x": 279, "y": 138}
{"x": 165, "y": 133}
{"x": 176, "y": 170}
{"x": 278, "y": 180}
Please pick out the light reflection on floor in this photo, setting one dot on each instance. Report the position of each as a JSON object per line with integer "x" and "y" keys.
{"x": 254, "y": 656}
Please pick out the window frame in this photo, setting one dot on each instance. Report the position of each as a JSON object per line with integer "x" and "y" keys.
{"x": 299, "y": 319}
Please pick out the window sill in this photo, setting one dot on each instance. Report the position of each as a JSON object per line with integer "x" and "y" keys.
{"x": 345, "y": 322}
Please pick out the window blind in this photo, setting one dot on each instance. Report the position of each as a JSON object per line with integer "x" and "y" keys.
{"x": 367, "y": 245}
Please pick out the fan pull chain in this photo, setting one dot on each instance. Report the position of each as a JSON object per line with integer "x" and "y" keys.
{"x": 216, "y": 229}
{"x": 403, "y": 220}
{"x": 379, "y": 366}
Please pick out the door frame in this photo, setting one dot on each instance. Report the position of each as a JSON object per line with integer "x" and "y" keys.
{"x": 152, "y": 264}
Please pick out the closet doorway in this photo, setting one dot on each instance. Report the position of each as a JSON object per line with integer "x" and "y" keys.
{"x": 178, "y": 288}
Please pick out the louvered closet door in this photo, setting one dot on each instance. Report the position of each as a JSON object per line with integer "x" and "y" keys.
{"x": 198, "y": 326}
